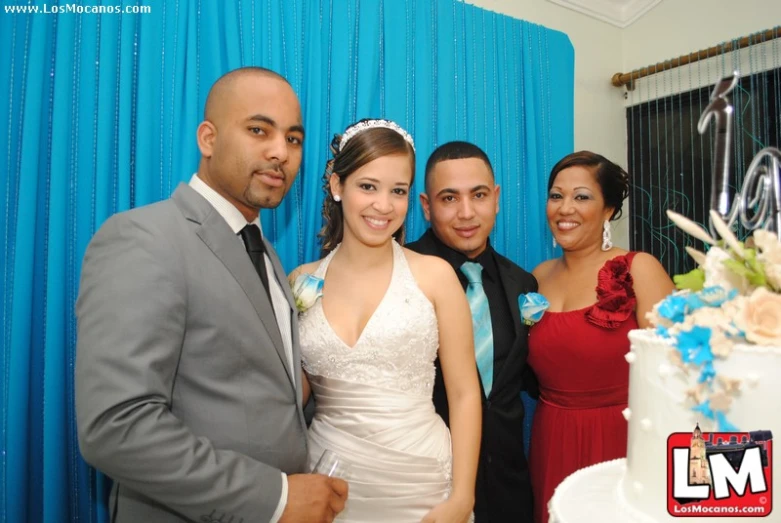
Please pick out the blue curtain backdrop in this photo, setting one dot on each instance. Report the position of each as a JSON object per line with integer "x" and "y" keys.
{"x": 100, "y": 112}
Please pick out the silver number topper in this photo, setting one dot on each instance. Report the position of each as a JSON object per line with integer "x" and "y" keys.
{"x": 758, "y": 204}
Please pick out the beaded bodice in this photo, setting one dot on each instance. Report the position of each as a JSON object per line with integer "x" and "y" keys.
{"x": 397, "y": 347}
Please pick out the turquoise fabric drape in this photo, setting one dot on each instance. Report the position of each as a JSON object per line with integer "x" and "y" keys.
{"x": 100, "y": 112}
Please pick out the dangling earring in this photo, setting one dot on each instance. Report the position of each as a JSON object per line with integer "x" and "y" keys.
{"x": 607, "y": 241}
{"x": 337, "y": 198}
{"x": 554, "y": 242}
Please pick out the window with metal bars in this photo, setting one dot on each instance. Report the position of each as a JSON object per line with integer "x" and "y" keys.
{"x": 670, "y": 162}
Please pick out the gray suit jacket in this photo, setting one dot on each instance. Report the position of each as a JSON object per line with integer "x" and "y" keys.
{"x": 183, "y": 392}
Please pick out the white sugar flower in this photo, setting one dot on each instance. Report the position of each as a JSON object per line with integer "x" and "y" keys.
{"x": 726, "y": 234}
{"x": 770, "y": 256}
{"x": 761, "y": 317}
{"x": 716, "y": 273}
{"x": 688, "y": 226}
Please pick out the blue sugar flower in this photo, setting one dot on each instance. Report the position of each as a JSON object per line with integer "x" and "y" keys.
{"x": 704, "y": 409}
{"x": 739, "y": 336}
{"x": 724, "y": 424}
{"x": 673, "y": 308}
{"x": 707, "y": 373}
{"x": 693, "y": 302}
{"x": 663, "y": 331}
{"x": 694, "y": 345}
{"x": 716, "y": 295}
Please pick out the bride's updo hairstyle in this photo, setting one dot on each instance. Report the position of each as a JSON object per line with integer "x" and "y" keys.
{"x": 361, "y": 143}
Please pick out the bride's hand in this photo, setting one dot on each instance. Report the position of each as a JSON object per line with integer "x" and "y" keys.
{"x": 450, "y": 511}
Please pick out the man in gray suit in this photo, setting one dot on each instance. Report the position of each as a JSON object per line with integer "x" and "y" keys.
{"x": 188, "y": 382}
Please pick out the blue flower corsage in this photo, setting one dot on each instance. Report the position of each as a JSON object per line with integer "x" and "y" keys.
{"x": 306, "y": 290}
{"x": 533, "y": 305}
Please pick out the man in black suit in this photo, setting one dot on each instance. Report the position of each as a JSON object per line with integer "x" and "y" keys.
{"x": 461, "y": 203}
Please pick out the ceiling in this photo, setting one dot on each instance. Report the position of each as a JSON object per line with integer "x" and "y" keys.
{"x": 620, "y": 13}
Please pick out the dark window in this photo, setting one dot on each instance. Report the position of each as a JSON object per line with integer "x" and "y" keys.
{"x": 670, "y": 162}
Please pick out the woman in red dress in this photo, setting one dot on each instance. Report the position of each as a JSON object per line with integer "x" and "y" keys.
{"x": 597, "y": 294}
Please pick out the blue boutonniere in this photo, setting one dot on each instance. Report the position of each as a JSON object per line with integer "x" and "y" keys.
{"x": 533, "y": 305}
{"x": 306, "y": 290}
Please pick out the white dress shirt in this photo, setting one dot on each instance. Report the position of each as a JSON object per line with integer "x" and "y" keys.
{"x": 282, "y": 309}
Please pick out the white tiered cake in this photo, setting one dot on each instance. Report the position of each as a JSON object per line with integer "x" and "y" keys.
{"x": 634, "y": 489}
{"x": 742, "y": 388}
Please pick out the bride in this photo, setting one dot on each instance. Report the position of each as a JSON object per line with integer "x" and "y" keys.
{"x": 369, "y": 344}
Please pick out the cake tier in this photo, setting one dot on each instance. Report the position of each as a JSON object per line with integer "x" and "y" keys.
{"x": 659, "y": 405}
{"x": 596, "y": 495}
{"x": 634, "y": 490}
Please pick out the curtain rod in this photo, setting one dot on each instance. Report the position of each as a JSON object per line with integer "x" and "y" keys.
{"x": 621, "y": 79}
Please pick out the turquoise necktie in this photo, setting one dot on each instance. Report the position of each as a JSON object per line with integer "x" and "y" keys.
{"x": 481, "y": 323}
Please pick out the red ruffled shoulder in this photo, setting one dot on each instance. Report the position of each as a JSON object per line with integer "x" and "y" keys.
{"x": 615, "y": 296}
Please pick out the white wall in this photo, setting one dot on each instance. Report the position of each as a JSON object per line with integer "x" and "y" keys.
{"x": 677, "y": 27}
{"x": 692, "y": 25}
{"x": 671, "y": 29}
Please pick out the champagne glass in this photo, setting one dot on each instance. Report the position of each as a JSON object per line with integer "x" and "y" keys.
{"x": 332, "y": 465}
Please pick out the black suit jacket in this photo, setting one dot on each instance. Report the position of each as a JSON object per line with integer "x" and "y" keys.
{"x": 503, "y": 492}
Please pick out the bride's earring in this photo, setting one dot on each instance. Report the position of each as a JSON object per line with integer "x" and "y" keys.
{"x": 607, "y": 241}
{"x": 554, "y": 242}
{"x": 337, "y": 198}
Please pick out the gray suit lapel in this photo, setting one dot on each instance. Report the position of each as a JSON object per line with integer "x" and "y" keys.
{"x": 214, "y": 231}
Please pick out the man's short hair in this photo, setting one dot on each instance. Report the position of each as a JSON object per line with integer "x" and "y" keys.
{"x": 455, "y": 151}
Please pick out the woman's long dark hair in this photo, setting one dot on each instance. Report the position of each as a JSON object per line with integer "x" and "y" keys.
{"x": 364, "y": 147}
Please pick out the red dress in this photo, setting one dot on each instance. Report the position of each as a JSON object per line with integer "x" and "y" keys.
{"x": 578, "y": 357}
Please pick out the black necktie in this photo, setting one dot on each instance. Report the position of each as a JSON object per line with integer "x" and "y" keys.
{"x": 255, "y": 248}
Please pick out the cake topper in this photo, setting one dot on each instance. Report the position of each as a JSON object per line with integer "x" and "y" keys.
{"x": 758, "y": 203}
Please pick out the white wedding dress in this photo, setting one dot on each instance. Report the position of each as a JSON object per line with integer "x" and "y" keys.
{"x": 374, "y": 405}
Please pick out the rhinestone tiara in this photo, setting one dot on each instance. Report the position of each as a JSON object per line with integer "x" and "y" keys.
{"x": 371, "y": 124}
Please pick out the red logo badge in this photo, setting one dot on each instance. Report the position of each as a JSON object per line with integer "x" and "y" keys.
{"x": 720, "y": 474}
